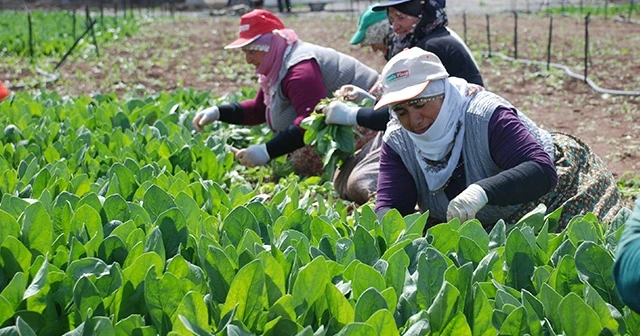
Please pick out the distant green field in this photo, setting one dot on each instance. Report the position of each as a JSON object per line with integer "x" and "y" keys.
{"x": 53, "y": 32}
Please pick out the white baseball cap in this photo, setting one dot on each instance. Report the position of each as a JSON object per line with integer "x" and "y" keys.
{"x": 407, "y": 74}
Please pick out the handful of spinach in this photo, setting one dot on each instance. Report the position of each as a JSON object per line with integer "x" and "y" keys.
{"x": 334, "y": 142}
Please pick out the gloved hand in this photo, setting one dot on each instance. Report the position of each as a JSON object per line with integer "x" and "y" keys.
{"x": 353, "y": 93}
{"x": 205, "y": 117}
{"x": 253, "y": 156}
{"x": 339, "y": 113}
{"x": 467, "y": 204}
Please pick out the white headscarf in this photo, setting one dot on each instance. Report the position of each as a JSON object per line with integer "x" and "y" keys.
{"x": 438, "y": 149}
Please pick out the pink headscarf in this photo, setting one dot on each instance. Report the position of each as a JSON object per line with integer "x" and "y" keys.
{"x": 269, "y": 69}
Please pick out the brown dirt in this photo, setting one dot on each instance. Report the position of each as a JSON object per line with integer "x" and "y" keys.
{"x": 188, "y": 53}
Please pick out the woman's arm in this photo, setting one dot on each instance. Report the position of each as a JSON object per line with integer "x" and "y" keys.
{"x": 248, "y": 112}
{"x": 396, "y": 188}
{"x": 528, "y": 172}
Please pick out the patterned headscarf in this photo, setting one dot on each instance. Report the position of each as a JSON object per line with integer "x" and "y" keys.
{"x": 376, "y": 33}
{"x": 432, "y": 17}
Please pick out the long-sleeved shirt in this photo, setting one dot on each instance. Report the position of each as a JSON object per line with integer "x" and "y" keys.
{"x": 626, "y": 270}
{"x": 304, "y": 87}
{"x": 528, "y": 172}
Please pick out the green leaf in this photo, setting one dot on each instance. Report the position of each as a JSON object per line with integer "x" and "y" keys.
{"x": 443, "y": 307}
{"x": 520, "y": 260}
{"x": 368, "y": 303}
{"x": 23, "y": 328}
{"x": 595, "y": 265}
{"x": 578, "y": 319}
{"x": 39, "y": 281}
{"x": 9, "y": 227}
{"x": 469, "y": 251}
{"x": 13, "y": 293}
{"x": 221, "y": 271}
{"x": 357, "y": 329}
{"x": 445, "y": 238}
{"x": 193, "y": 308}
{"x": 392, "y": 225}
{"x": 457, "y": 326}
{"x": 482, "y": 312}
{"x": 474, "y": 231}
{"x": 595, "y": 301}
{"x": 86, "y": 297}
{"x": 238, "y": 220}
{"x": 310, "y": 283}
{"x": 15, "y": 257}
{"x": 247, "y": 292}
{"x": 366, "y": 277}
{"x": 173, "y": 226}
{"x": 37, "y": 229}
{"x": 157, "y": 201}
{"x": 431, "y": 269}
{"x": 365, "y": 245}
{"x": 516, "y": 323}
{"x": 339, "y": 307}
{"x": 397, "y": 270}
{"x": 551, "y": 301}
{"x": 87, "y": 219}
{"x": 116, "y": 207}
{"x": 497, "y": 236}
{"x": 125, "y": 326}
{"x": 162, "y": 296}
{"x": 6, "y": 312}
{"x": 580, "y": 229}
{"x": 564, "y": 278}
{"x": 383, "y": 322}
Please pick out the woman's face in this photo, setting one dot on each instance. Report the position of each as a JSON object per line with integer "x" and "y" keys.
{"x": 254, "y": 57}
{"x": 418, "y": 115}
{"x": 401, "y": 23}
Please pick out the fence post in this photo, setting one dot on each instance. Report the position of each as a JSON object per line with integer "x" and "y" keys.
{"x": 561, "y": 6}
{"x": 73, "y": 22}
{"x": 101, "y": 14}
{"x": 581, "y": 5}
{"x": 606, "y": 9}
{"x": 30, "y": 36}
{"x": 630, "y": 10}
{"x": 549, "y": 43}
{"x": 90, "y": 25}
{"x": 464, "y": 26}
{"x": 489, "y": 34}
{"x": 586, "y": 46}
{"x": 515, "y": 35}
{"x": 115, "y": 12}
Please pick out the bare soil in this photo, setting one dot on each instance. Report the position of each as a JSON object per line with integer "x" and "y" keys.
{"x": 188, "y": 53}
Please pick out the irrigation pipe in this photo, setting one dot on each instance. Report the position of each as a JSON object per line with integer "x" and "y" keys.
{"x": 566, "y": 69}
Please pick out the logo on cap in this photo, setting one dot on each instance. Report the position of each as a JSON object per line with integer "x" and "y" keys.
{"x": 397, "y": 75}
{"x": 244, "y": 27}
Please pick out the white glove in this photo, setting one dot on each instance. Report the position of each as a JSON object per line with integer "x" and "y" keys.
{"x": 205, "y": 117}
{"x": 339, "y": 113}
{"x": 467, "y": 204}
{"x": 253, "y": 156}
{"x": 354, "y": 94}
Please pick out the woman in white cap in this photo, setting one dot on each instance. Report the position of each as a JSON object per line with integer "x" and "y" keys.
{"x": 468, "y": 153}
{"x": 415, "y": 23}
{"x": 294, "y": 76}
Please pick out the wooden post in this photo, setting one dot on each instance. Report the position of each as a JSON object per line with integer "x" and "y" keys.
{"x": 606, "y": 9}
{"x": 586, "y": 46}
{"x": 464, "y": 25}
{"x": 549, "y": 43}
{"x": 90, "y": 25}
{"x": 489, "y": 34}
{"x": 30, "y": 36}
{"x": 515, "y": 35}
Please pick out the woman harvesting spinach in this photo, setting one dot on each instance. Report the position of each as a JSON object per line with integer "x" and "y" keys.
{"x": 459, "y": 151}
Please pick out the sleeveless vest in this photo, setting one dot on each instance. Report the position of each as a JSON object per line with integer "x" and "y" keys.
{"x": 478, "y": 163}
{"x": 337, "y": 70}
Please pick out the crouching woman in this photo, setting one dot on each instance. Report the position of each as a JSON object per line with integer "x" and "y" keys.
{"x": 457, "y": 150}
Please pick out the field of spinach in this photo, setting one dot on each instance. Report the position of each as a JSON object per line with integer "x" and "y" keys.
{"x": 118, "y": 220}
{"x": 54, "y": 32}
